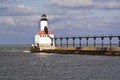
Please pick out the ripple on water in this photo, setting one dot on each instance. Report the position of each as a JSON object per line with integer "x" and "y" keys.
{"x": 44, "y": 66}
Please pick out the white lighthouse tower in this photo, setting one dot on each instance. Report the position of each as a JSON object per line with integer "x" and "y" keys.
{"x": 44, "y": 38}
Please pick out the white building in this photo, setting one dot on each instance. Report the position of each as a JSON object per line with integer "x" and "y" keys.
{"x": 44, "y": 38}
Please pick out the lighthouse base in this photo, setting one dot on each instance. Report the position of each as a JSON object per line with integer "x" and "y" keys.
{"x": 35, "y": 49}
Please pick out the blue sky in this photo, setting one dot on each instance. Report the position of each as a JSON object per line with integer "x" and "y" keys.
{"x": 19, "y": 19}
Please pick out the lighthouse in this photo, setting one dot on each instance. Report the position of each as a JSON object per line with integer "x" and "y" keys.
{"x": 44, "y": 38}
{"x": 44, "y": 22}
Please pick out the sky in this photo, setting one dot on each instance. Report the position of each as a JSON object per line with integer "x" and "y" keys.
{"x": 19, "y": 19}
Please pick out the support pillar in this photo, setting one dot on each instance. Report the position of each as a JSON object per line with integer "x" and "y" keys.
{"x": 94, "y": 41}
{"x": 87, "y": 41}
{"x": 119, "y": 40}
{"x": 67, "y": 41}
{"x": 110, "y": 41}
{"x": 102, "y": 38}
{"x": 55, "y": 41}
{"x": 73, "y": 42}
{"x": 80, "y": 41}
{"x": 61, "y": 41}
{"x": 52, "y": 42}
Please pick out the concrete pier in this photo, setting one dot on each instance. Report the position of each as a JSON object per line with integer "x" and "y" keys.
{"x": 115, "y": 51}
{"x": 67, "y": 48}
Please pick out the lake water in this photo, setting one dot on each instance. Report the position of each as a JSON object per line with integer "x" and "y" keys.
{"x": 18, "y": 65}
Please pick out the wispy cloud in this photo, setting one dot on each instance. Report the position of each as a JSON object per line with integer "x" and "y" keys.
{"x": 86, "y": 4}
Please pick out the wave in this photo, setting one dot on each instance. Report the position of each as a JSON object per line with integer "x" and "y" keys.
{"x": 26, "y": 51}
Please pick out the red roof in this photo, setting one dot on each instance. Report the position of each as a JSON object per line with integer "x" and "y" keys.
{"x": 43, "y": 32}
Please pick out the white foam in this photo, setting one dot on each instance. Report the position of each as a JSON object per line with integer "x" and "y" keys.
{"x": 26, "y": 51}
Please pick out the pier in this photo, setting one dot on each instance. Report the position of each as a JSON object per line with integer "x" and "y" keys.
{"x": 94, "y": 38}
{"x": 87, "y": 48}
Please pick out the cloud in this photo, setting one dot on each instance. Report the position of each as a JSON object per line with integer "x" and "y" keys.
{"x": 86, "y": 25}
{"x": 18, "y": 29}
{"x": 27, "y": 21}
{"x": 20, "y": 21}
{"x": 84, "y": 16}
{"x": 7, "y": 21}
{"x": 86, "y": 4}
{"x": 9, "y": 2}
{"x": 17, "y": 10}
{"x": 109, "y": 5}
{"x": 71, "y": 3}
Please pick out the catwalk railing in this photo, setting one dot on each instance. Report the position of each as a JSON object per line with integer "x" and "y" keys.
{"x": 94, "y": 38}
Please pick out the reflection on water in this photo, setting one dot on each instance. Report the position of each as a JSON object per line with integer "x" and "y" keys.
{"x": 44, "y": 66}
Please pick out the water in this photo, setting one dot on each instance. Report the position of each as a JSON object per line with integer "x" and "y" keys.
{"x": 14, "y": 47}
{"x": 44, "y": 66}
